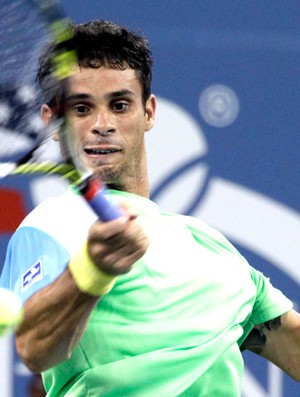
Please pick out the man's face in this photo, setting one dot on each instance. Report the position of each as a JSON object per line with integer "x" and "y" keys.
{"x": 107, "y": 115}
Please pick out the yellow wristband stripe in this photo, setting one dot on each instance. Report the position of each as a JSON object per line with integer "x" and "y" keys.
{"x": 88, "y": 277}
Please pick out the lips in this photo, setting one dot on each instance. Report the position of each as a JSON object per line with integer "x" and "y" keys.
{"x": 100, "y": 151}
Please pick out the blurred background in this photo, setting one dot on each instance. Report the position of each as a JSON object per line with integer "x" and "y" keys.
{"x": 225, "y": 147}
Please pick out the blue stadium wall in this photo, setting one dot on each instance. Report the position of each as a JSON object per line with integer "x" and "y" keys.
{"x": 226, "y": 144}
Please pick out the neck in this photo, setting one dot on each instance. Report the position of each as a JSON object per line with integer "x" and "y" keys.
{"x": 137, "y": 186}
{"x": 137, "y": 182}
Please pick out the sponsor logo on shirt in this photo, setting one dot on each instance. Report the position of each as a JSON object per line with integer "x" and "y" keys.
{"x": 32, "y": 275}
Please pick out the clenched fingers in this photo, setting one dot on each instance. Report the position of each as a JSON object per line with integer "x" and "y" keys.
{"x": 115, "y": 246}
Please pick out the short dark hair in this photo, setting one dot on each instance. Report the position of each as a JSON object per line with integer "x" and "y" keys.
{"x": 99, "y": 43}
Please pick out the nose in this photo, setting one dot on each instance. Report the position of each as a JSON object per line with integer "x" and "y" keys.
{"x": 102, "y": 124}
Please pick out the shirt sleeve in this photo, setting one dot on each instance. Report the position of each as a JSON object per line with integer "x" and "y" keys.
{"x": 270, "y": 303}
{"x": 33, "y": 260}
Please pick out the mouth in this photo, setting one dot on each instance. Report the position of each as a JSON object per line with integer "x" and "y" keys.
{"x": 100, "y": 151}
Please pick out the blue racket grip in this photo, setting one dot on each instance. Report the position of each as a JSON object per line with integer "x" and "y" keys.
{"x": 99, "y": 202}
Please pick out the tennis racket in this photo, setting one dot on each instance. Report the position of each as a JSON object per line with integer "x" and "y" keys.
{"x": 25, "y": 26}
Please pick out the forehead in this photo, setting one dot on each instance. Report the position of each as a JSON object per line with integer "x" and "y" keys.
{"x": 104, "y": 80}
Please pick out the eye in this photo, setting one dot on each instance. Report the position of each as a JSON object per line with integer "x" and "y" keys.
{"x": 120, "y": 106}
{"x": 81, "y": 109}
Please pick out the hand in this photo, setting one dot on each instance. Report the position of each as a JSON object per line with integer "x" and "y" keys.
{"x": 115, "y": 246}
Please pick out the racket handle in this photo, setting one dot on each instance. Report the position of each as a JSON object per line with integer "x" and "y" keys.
{"x": 104, "y": 209}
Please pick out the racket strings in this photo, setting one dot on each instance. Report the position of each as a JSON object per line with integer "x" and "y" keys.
{"x": 25, "y": 27}
{"x": 66, "y": 171}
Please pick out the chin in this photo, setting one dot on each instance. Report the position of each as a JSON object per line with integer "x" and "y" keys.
{"x": 109, "y": 175}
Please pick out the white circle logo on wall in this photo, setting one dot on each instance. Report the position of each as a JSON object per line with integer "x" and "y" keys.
{"x": 219, "y": 105}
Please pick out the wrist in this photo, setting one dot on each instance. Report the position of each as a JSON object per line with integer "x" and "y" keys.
{"x": 87, "y": 276}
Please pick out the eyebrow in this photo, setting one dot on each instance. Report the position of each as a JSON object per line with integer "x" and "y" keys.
{"x": 120, "y": 93}
{"x": 109, "y": 96}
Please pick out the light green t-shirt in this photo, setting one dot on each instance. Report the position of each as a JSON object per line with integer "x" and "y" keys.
{"x": 172, "y": 325}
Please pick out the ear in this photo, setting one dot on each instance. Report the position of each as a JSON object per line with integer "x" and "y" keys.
{"x": 150, "y": 109}
{"x": 47, "y": 118}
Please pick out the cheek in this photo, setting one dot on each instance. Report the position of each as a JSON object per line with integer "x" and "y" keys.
{"x": 78, "y": 127}
{"x": 134, "y": 126}
{"x": 133, "y": 135}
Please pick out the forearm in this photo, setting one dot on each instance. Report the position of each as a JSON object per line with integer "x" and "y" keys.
{"x": 286, "y": 353}
{"x": 278, "y": 341}
{"x": 55, "y": 319}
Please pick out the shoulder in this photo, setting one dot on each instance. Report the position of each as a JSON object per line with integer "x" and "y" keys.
{"x": 63, "y": 206}
{"x": 203, "y": 233}
{"x": 194, "y": 224}
{"x": 65, "y": 218}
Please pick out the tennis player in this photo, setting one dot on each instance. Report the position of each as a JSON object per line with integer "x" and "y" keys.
{"x": 150, "y": 304}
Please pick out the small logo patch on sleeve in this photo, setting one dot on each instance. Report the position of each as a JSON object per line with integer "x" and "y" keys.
{"x": 32, "y": 275}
